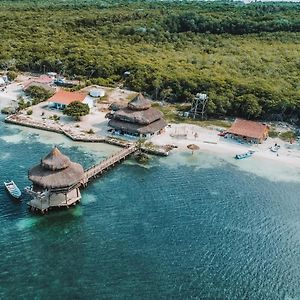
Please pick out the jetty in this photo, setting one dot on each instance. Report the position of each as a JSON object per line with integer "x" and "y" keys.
{"x": 98, "y": 169}
{"x": 77, "y": 136}
{"x": 57, "y": 180}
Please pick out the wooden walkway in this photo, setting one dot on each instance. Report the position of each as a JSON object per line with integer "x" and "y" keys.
{"x": 106, "y": 164}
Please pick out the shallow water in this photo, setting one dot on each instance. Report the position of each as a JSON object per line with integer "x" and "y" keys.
{"x": 183, "y": 227}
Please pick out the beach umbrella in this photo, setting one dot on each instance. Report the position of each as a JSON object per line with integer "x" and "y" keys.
{"x": 193, "y": 147}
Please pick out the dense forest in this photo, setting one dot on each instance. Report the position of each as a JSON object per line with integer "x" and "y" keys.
{"x": 245, "y": 57}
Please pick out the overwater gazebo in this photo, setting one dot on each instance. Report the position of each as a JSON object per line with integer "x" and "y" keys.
{"x": 56, "y": 181}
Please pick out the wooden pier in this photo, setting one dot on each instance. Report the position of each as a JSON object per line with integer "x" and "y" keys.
{"x": 106, "y": 164}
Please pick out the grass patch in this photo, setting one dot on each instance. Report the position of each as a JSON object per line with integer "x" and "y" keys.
{"x": 171, "y": 114}
{"x": 273, "y": 133}
{"x": 287, "y": 136}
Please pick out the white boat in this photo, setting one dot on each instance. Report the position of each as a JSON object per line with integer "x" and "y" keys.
{"x": 13, "y": 190}
{"x": 275, "y": 148}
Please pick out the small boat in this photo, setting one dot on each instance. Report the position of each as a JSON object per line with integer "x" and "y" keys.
{"x": 275, "y": 148}
{"x": 13, "y": 190}
{"x": 245, "y": 155}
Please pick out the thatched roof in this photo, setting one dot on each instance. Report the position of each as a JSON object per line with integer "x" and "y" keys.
{"x": 117, "y": 106}
{"x": 142, "y": 117}
{"x": 139, "y": 102}
{"x": 55, "y": 160}
{"x": 137, "y": 128}
{"x": 56, "y": 171}
{"x": 193, "y": 147}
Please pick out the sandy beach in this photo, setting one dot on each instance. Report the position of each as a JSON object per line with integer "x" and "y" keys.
{"x": 181, "y": 135}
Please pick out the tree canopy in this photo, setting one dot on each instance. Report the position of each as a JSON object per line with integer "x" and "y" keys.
{"x": 173, "y": 50}
{"x": 38, "y": 94}
{"x": 77, "y": 109}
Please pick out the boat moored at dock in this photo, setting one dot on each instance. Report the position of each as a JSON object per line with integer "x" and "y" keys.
{"x": 13, "y": 190}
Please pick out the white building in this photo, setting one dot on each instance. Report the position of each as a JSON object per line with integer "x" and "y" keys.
{"x": 61, "y": 99}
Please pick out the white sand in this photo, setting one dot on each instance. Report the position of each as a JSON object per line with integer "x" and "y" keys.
{"x": 209, "y": 141}
{"x": 9, "y": 96}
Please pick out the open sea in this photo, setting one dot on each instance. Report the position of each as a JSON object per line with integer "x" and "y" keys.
{"x": 183, "y": 227}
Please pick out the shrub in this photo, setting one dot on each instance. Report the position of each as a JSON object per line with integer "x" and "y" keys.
{"x": 287, "y": 136}
{"x": 91, "y": 131}
{"x": 12, "y": 75}
{"x": 273, "y": 133}
{"x": 76, "y": 110}
{"x": 38, "y": 94}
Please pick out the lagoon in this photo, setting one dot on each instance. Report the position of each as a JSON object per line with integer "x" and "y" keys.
{"x": 183, "y": 227}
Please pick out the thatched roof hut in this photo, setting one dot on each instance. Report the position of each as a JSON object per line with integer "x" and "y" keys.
{"x": 137, "y": 128}
{"x": 139, "y": 102}
{"x": 56, "y": 171}
{"x": 137, "y": 118}
{"x": 116, "y": 106}
{"x": 142, "y": 117}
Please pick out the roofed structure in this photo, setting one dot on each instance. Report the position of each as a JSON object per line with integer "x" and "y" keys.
{"x": 249, "y": 130}
{"x": 139, "y": 102}
{"x": 133, "y": 128}
{"x": 116, "y": 106}
{"x": 56, "y": 171}
{"x": 56, "y": 182}
{"x": 138, "y": 118}
{"x": 44, "y": 79}
{"x": 66, "y": 97}
{"x": 142, "y": 117}
{"x": 41, "y": 85}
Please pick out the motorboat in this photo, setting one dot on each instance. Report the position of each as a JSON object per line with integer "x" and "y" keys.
{"x": 245, "y": 155}
{"x": 275, "y": 148}
{"x": 13, "y": 190}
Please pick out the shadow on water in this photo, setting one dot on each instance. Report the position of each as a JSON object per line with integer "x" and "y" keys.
{"x": 54, "y": 219}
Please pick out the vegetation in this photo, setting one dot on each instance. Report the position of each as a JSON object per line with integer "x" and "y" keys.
{"x": 55, "y": 118}
{"x": 90, "y": 131}
{"x": 38, "y": 94}
{"x": 273, "y": 133}
{"x": 8, "y": 110}
{"x": 12, "y": 75}
{"x": 29, "y": 112}
{"x": 173, "y": 114}
{"x": 287, "y": 136}
{"x": 245, "y": 57}
{"x": 77, "y": 109}
{"x": 22, "y": 104}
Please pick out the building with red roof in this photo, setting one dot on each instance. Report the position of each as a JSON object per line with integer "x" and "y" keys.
{"x": 249, "y": 131}
{"x": 43, "y": 79}
{"x": 63, "y": 98}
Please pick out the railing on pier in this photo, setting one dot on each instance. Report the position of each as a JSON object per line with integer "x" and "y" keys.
{"x": 95, "y": 170}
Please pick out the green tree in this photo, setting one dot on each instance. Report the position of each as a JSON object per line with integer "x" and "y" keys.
{"x": 76, "y": 110}
{"x": 38, "y": 94}
{"x": 247, "y": 106}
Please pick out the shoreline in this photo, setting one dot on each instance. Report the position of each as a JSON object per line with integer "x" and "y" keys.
{"x": 210, "y": 142}
{"x": 213, "y": 152}
{"x": 21, "y": 120}
{"x": 207, "y": 140}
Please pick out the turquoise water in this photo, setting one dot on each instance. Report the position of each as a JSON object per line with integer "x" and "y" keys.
{"x": 183, "y": 227}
